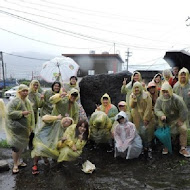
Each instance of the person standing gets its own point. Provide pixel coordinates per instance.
(127, 88)
(20, 122)
(47, 106)
(182, 88)
(142, 115)
(36, 100)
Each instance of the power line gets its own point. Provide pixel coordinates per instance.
(26, 57)
(82, 25)
(46, 42)
(103, 14)
(74, 34)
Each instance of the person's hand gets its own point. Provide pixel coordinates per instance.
(74, 148)
(143, 84)
(80, 137)
(42, 96)
(179, 123)
(163, 118)
(59, 117)
(63, 94)
(98, 107)
(146, 123)
(133, 96)
(63, 139)
(25, 113)
(125, 81)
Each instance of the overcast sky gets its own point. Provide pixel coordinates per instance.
(148, 28)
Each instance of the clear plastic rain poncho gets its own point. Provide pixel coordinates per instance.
(111, 110)
(2, 115)
(183, 90)
(173, 108)
(18, 127)
(100, 127)
(66, 152)
(128, 143)
(35, 99)
(127, 89)
(64, 107)
(141, 110)
(45, 141)
(67, 88)
(47, 106)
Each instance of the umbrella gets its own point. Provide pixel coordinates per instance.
(163, 134)
(59, 68)
(178, 58)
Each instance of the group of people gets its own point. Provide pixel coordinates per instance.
(63, 129)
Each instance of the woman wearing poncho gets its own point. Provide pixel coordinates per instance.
(66, 105)
(182, 88)
(47, 106)
(74, 84)
(127, 88)
(36, 100)
(45, 141)
(74, 139)
(172, 109)
(20, 122)
(106, 106)
(142, 115)
(158, 81)
(128, 143)
(100, 127)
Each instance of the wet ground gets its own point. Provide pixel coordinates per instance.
(162, 172)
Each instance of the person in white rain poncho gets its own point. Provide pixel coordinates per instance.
(128, 143)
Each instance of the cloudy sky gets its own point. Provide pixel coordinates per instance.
(148, 28)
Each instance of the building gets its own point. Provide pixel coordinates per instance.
(92, 63)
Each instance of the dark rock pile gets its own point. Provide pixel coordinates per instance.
(93, 87)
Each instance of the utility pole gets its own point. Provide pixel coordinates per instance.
(3, 69)
(128, 54)
(114, 47)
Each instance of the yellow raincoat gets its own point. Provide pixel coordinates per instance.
(100, 127)
(18, 127)
(64, 107)
(111, 110)
(158, 85)
(183, 90)
(45, 141)
(174, 109)
(141, 110)
(127, 89)
(2, 114)
(66, 152)
(35, 99)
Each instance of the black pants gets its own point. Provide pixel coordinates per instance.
(30, 144)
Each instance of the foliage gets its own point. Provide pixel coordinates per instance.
(4, 144)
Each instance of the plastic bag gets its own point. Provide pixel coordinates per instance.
(88, 167)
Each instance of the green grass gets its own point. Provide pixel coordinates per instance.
(4, 144)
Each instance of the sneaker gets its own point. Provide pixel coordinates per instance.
(184, 152)
(165, 151)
